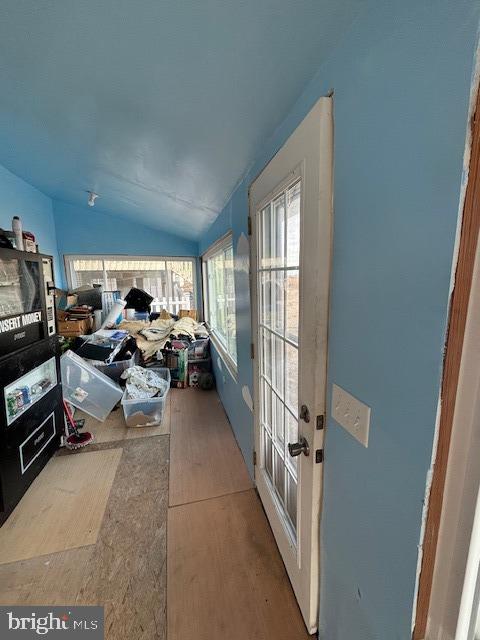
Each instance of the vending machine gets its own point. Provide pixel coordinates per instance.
(31, 414)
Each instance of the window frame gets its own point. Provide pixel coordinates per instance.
(69, 259)
(218, 247)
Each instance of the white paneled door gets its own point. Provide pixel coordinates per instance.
(291, 214)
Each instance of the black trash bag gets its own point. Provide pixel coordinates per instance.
(138, 299)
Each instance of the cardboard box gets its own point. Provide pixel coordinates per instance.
(72, 300)
(73, 328)
(29, 245)
(188, 313)
(177, 361)
(64, 299)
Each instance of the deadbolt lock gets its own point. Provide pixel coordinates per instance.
(304, 413)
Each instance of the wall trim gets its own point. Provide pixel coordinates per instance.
(470, 226)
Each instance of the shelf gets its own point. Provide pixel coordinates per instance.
(47, 371)
(26, 407)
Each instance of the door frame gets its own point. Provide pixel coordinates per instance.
(450, 389)
(320, 245)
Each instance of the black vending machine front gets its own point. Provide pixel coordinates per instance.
(31, 410)
(32, 418)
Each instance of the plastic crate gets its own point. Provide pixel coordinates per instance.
(115, 369)
(147, 412)
(87, 388)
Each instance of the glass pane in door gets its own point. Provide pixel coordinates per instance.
(278, 278)
(292, 288)
(293, 225)
(278, 231)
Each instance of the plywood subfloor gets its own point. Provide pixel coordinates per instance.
(205, 459)
(53, 579)
(115, 429)
(225, 576)
(63, 508)
(125, 570)
(128, 565)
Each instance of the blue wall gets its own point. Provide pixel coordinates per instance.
(234, 218)
(84, 230)
(88, 230)
(18, 198)
(401, 78)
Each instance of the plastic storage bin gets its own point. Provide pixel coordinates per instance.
(86, 388)
(115, 369)
(147, 412)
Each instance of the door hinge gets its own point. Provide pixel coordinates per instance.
(320, 422)
(319, 456)
(252, 351)
(249, 225)
(254, 458)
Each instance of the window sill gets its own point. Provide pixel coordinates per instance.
(230, 365)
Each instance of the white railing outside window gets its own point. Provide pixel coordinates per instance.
(171, 281)
(172, 304)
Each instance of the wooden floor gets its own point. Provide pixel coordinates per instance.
(205, 459)
(225, 576)
(114, 428)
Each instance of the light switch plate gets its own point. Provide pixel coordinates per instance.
(353, 415)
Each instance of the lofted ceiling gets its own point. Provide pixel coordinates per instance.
(158, 106)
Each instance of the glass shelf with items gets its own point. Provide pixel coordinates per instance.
(29, 389)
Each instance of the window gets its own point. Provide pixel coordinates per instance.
(219, 288)
(171, 281)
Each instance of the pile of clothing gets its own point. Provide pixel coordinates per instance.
(151, 337)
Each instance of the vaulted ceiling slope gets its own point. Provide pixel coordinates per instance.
(158, 106)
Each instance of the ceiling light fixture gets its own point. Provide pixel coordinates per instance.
(92, 196)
